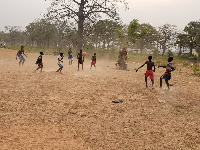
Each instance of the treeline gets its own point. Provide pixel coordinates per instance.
(104, 34)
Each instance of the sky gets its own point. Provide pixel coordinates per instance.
(156, 12)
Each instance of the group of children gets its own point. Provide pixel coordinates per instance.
(150, 72)
(80, 56)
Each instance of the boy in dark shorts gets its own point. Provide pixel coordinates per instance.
(93, 63)
(19, 54)
(80, 58)
(70, 57)
(39, 62)
(149, 72)
(60, 58)
(167, 75)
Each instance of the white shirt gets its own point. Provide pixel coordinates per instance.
(59, 58)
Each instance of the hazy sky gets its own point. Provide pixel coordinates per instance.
(155, 12)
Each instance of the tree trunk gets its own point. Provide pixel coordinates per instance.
(191, 47)
(81, 19)
(180, 51)
(141, 47)
(164, 49)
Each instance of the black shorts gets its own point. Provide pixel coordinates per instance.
(80, 61)
(40, 65)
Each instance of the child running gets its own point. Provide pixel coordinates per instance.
(149, 72)
(39, 62)
(80, 58)
(93, 63)
(19, 54)
(70, 57)
(167, 74)
(60, 58)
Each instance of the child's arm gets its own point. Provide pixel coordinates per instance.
(24, 54)
(172, 68)
(162, 66)
(140, 67)
(154, 68)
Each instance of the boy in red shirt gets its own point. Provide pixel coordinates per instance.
(94, 58)
(149, 72)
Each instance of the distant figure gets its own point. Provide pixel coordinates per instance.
(94, 59)
(80, 58)
(70, 56)
(1, 45)
(167, 74)
(60, 58)
(4, 45)
(149, 72)
(39, 62)
(19, 54)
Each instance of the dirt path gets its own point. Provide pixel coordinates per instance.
(74, 110)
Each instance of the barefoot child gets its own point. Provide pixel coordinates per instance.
(93, 61)
(149, 71)
(19, 54)
(60, 58)
(70, 57)
(167, 74)
(39, 62)
(80, 58)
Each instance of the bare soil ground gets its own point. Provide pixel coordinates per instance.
(74, 110)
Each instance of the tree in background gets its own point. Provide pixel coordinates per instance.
(122, 36)
(132, 30)
(41, 32)
(80, 10)
(146, 35)
(193, 33)
(167, 36)
(63, 29)
(181, 41)
(105, 30)
(14, 33)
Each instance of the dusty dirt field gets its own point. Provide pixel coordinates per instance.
(74, 110)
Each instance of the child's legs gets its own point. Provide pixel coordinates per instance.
(23, 61)
(78, 65)
(152, 82)
(167, 82)
(20, 61)
(161, 81)
(146, 80)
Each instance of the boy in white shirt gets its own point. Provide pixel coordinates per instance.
(60, 58)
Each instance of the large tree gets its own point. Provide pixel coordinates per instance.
(80, 10)
(41, 32)
(146, 35)
(181, 41)
(132, 30)
(193, 33)
(106, 32)
(14, 32)
(167, 36)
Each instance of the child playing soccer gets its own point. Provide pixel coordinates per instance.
(167, 74)
(80, 58)
(70, 57)
(93, 61)
(19, 54)
(149, 71)
(39, 62)
(60, 58)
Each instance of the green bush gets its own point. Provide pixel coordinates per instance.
(196, 69)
